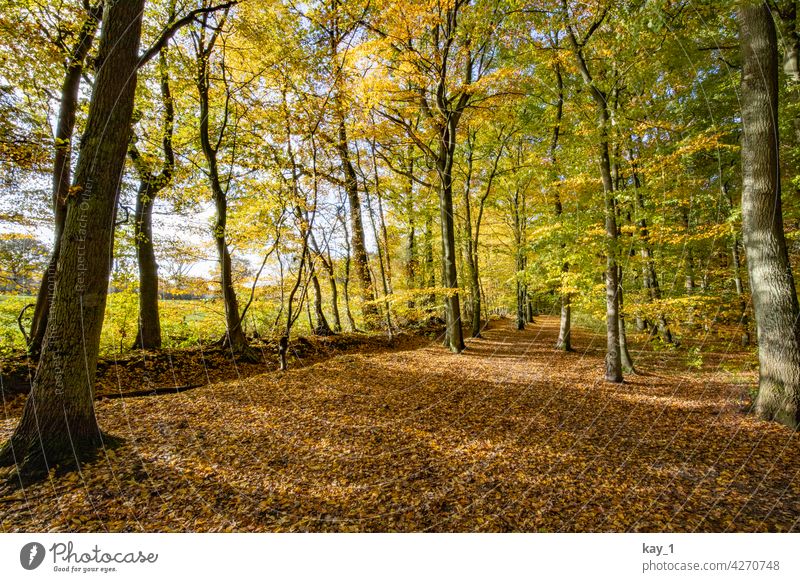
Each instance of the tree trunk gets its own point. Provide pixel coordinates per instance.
(564, 341)
(613, 359)
(470, 251)
(613, 353)
(565, 329)
(521, 319)
(58, 425)
(234, 337)
(337, 320)
(322, 327)
(148, 335)
(359, 250)
(774, 296)
(455, 336)
(625, 355)
(368, 307)
(65, 127)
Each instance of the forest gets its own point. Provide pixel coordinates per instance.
(399, 265)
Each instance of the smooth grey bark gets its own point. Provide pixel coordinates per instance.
(564, 341)
(625, 355)
(772, 285)
(613, 357)
(444, 166)
(469, 251)
(58, 424)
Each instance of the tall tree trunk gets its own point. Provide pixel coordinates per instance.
(368, 307)
(564, 341)
(469, 251)
(625, 355)
(613, 359)
(519, 258)
(613, 354)
(455, 335)
(58, 424)
(774, 296)
(565, 326)
(65, 128)
(235, 337)
(521, 318)
(148, 335)
(359, 250)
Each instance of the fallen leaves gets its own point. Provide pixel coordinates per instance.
(509, 436)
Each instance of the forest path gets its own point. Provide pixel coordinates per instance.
(511, 435)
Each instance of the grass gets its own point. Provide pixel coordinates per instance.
(184, 323)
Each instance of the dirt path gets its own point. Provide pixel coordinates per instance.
(509, 436)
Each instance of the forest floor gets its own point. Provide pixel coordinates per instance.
(509, 436)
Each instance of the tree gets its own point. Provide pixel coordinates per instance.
(62, 169)
(337, 34)
(148, 335)
(204, 48)
(21, 258)
(58, 424)
(613, 354)
(775, 303)
(437, 59)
